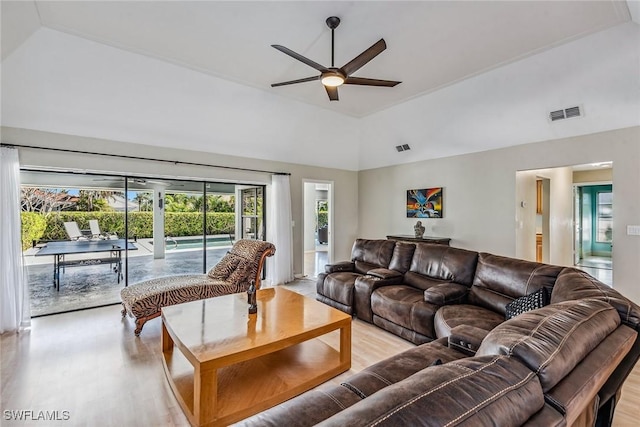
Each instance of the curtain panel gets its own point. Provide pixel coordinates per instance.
(14, 293)
(279, 231)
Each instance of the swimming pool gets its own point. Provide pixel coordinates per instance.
(180, 243)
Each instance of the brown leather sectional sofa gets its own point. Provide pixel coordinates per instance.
(562, 364)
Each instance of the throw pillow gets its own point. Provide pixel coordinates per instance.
(533, 301)
(223, 269)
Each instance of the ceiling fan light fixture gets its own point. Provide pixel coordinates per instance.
(332, 79)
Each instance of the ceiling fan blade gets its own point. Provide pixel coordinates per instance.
(332, 91)
(300, 58)
(291, 82)
(366, 56)
(370, 82)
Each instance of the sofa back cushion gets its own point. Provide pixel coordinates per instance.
(499, 280)
(552, 340)
(575, 284)
(478, 391)
(442, 263)
(370, 254)
(402, 255)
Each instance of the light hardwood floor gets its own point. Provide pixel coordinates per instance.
(90, 364)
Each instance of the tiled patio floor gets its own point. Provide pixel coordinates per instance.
(93, 286)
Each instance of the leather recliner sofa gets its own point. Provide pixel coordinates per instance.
(454, 298)
(542, 368)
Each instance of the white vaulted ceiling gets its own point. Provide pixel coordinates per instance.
(475, 75)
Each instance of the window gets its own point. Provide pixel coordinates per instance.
(604, 217)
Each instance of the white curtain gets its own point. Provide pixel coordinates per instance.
(14, 293)
(279, 231)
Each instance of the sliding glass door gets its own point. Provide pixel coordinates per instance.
(155, 226)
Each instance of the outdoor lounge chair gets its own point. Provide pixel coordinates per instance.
(73, 231)
(234, 273)
(97, 234)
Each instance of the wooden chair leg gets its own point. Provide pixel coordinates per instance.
(139, 324)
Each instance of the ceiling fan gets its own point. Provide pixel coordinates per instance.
(332, 77)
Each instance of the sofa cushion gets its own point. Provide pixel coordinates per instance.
(533, 301)
(446, 293)
(404, 306)
(493, 390)
(444, 263)
(449, 316)
(552, 340)
(305, 410)
(499, 280)
(146, 298)
(573, 284)
(401, 366)
(402, 255)
(225, 267)
(370, 254)
(338, 286)
(402, 332)
(419, 281)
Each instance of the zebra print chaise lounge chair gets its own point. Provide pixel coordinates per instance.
(235, 271)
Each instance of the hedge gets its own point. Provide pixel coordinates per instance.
(176, 224)
(323, 218)
(33, 227)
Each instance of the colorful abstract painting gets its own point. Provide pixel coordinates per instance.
(426, 203)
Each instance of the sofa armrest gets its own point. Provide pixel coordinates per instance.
(384, 273)
(339, 266)
(466, 338)
(446, 293)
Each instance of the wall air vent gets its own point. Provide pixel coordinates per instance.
(567, 113)
(403, 147)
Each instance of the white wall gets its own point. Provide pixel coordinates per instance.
(345, 189)
(480, 196)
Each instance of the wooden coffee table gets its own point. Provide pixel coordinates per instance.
(230, 365)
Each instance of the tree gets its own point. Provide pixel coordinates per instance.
(96, 200)
(45, 201)
(217, 203)
(144, 201)
(179, 202)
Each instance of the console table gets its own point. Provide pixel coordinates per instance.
(425, 239)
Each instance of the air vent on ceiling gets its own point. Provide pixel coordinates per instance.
(403, 147)
(567, 113)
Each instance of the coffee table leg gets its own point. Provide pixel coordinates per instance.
(345, 345)
(167, 342)
(205, 395)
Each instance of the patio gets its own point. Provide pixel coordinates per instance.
(97, 285)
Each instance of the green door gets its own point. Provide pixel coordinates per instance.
(601, 217)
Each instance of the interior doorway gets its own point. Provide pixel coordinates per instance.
(318, 206)
(571, 221)
(593, 226)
